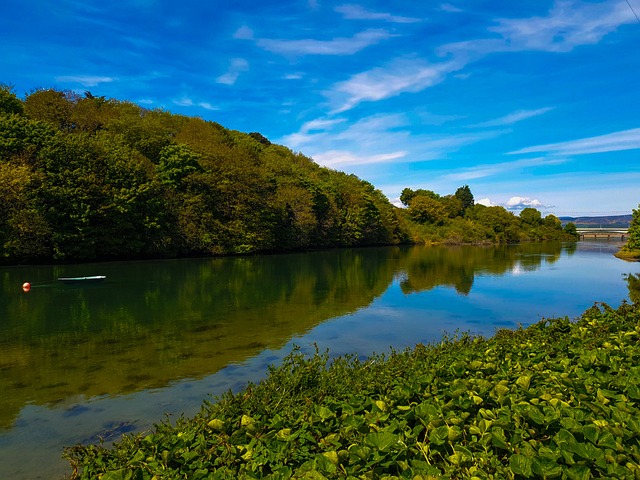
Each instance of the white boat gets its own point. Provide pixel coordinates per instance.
(94, 278)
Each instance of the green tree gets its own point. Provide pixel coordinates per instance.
(9, 102)
(531, 216)
(570, 229)
(176, 162)
(24, 233)
(424, 209)
(452, 205)
(553, 222)
(633, 242)
(407, 195)
(465, 196)
(51, 106)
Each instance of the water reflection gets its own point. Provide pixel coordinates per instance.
(177, 330)
(633, 284)
(154, 322)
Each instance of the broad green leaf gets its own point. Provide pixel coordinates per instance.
(578, 472)
(498, 439)
(535, 415)
(545, 467)
(520, 465)
(590, 432)
(524, 381)
(323, 412)
(439, 435)
(381, 440)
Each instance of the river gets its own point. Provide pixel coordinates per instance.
(83, 362)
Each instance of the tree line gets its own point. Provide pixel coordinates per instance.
(458, 219)
(84, 177)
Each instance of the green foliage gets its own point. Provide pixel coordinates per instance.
(455, 219)
(633, 243)
(424, 209)
(570, 228)
(465, 196)
(176, 162)
(9, 102)
(631, 250)
(531, 216)
(109, 179)
(557, 400)
(407, 195)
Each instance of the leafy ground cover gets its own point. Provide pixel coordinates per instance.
(558, 399)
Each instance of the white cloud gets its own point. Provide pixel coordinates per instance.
(336, 158)
(612, 142)
(514, 117)
(85, 80)
(515, 203)
(238, 65)
(356, 12)
(447, 7)
(568, 25)
(185, 101)
(486, 202)
(336, 46)
(243, 33)
(520, 203)
(403, 75)
(488, 170)
(375, 139)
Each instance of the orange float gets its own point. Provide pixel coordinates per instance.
(26, 286)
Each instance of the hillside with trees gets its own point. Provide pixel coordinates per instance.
(456, 219)
(86, 177)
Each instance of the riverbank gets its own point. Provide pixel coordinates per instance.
(558, 399)
(629, 255)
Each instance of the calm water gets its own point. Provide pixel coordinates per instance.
(79, 363)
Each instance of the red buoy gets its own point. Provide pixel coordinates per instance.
(26, 286)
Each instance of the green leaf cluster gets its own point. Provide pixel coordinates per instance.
(556, 400)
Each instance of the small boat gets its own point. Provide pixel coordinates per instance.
(91, 279)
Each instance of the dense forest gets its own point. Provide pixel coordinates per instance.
(83, 177)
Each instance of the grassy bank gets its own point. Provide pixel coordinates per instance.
(556, 400)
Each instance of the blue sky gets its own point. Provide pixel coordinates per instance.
(530, 103)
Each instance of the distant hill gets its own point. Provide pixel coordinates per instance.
(610, 221)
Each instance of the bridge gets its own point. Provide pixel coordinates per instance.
(608, 233)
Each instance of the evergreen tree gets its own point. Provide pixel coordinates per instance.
(465, 196)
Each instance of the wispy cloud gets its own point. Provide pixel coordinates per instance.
(85, 80)
(188, 102)
(494, 169)
(447, 7)
(243, 33)
(335, 46)
(403, 75)
(612, 142)
(514, 117)
(357, 12)
(340, 158)
(238, 65)
(375, 139)
(569, 24)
